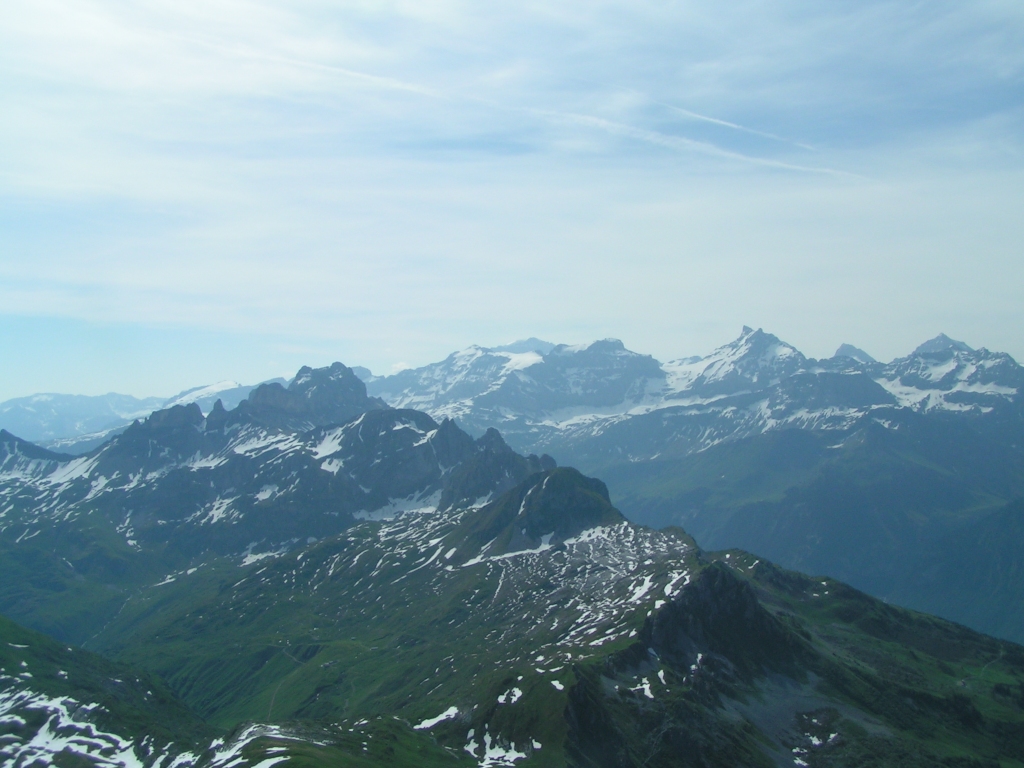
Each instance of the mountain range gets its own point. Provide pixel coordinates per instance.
(343, 569)
(315, 578)
(882, 474)
(599, 403)
(540, 394)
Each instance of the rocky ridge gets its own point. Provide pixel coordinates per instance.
(288, 467)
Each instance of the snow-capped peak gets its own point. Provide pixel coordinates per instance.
(755, 358)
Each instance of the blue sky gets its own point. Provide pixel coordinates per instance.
(194, 191)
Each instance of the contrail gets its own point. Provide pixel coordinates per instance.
(703, 118)
(387, 83)
(734, 126)
(679, 142)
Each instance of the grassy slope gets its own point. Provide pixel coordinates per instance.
(69, 584)
(742, 667)
(133, 702)
(898, 688)
(876, 508)
(975, 561)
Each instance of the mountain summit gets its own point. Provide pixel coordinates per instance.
(315, 397)
(941, 343)
(854, 353)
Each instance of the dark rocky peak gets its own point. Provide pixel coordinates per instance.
(337, 376)
(217, 418)
(541, 512)
(175, 417)
(165, 437)
(315, 397)
(451, 443)
(719, 618)
(491, 469)
(854, 353)
(14, 446)
(940, 344)
(178, 427)
(565, 502)
(491, 440)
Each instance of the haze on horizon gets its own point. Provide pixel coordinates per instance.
(192, 192)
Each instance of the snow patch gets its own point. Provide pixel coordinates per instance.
(510, 697)
(417, 502)
(266, 492)
(430, 722)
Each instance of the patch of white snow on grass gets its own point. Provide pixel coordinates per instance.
(430, 722)
(497, 756)
(510, 697)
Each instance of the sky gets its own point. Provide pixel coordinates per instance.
(199, 191)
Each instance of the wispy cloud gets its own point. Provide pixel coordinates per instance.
(669, 141)
(398, 178)
(363, 78)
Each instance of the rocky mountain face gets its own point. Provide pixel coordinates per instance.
(556, 398)
(313, 398)
(285, 467)
(872, 472)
